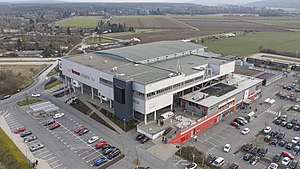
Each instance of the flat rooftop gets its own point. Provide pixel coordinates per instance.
(265, 76)
(239, 82)
(125, 68)
(219, 89)
(243, 70)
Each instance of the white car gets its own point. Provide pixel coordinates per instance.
(267, 130)
(58, 115)
(36, 147)
(227, 148)
(243, 119)
(273, 166)
(191, 166)
(35, 95)
(296, 107)
(285, 161)
(245, 131)
(295, 140)
(93, 139)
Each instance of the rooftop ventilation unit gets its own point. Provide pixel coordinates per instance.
(105, 61)
(136, 65)
(171, 74)
(199, 68)
(114, 69)
(91, 57)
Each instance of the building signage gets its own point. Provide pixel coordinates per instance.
(82, 75)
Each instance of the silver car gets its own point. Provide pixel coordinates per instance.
(36, 147)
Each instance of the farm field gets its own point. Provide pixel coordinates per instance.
(80, 21)
(249, 44)
(95, 40)
(150, 22)
(284, 22)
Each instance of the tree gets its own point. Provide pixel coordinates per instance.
(31, 21)
(68, 31)
(36, 44)
(19, 44)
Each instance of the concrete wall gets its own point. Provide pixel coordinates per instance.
(88, 76)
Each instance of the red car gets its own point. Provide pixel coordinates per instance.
(54, 126)
(233, 123)
(19, 130)
(287, 154)
(101, 144)
(81, 127)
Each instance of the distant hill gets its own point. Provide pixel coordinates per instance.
(276, 3)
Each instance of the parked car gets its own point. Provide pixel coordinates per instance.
(289, 125)
(276, 158)
(267, 130)
(48, 122)
(109, 150)
(277, 121)
(243, 119)
(247, 156)
(295, 107)
(284, 117)
(81, 127)
(191, 166)
(293, 164)
(282, 143)
(245, 131)
(263, 151)
(283, 123)
(273, 166)
(281, 135)
(29, 139)
(93, 139)
(295, 140)
(20, 130)
(247, 147)
(289, 146)
(254, 151)
(267, 138)
(139, 137)
(54, 126)
(5, 97)
(144, 140)
(100, 144)
(227, 148)
(25, 133)
(254, 160)
(285, 161)
(239, 121)
(113, 154)
(287, 154)
(273, 142)
(235, 124)
(100, 161)
(84, 131)
(211, 158)
(219, 162)
(58, 115)
(36, 147)
(234, 166)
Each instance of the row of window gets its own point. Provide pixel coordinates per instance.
(106, 82)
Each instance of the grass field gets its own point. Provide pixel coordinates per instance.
(150, 22)
(92, 41)
(28, 102)
(136, 32)
(11, 156)
(23, 72)
(249, 44)
(80, 21)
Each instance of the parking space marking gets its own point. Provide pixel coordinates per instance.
(43, 153)
(53, 162)
(215, 140)
(57, 166)
(51, 158)
(217, 135)
(47, 155)
(6, 115)
(84, 152)
(95, 152)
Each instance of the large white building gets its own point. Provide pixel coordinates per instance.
(144, 80)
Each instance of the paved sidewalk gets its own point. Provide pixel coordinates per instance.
(20, 144)
(107, 120)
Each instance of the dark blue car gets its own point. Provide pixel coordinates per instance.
(100, 161)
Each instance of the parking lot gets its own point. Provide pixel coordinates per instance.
(43, 153)
(212, 141)
(78, 144)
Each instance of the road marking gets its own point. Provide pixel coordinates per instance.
(51, 159)
(47, 155)
(53, 162)
(215, 140)
(220, 136)
(95, 152)
(43, 153)
(57, 166)
(84, 152)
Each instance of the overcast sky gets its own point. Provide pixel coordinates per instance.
(193, 1)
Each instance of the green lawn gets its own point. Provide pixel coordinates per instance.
(10, 155)
(82, 21)
(91, 41)
(28, 102)
(249, 44)
(50, 85)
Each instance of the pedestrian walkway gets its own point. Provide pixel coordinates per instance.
(274, 112)
(106, 119)
(42, 164)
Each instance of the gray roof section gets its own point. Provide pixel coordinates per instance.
(151, 50)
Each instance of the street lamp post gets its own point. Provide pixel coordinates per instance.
(124, 124)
